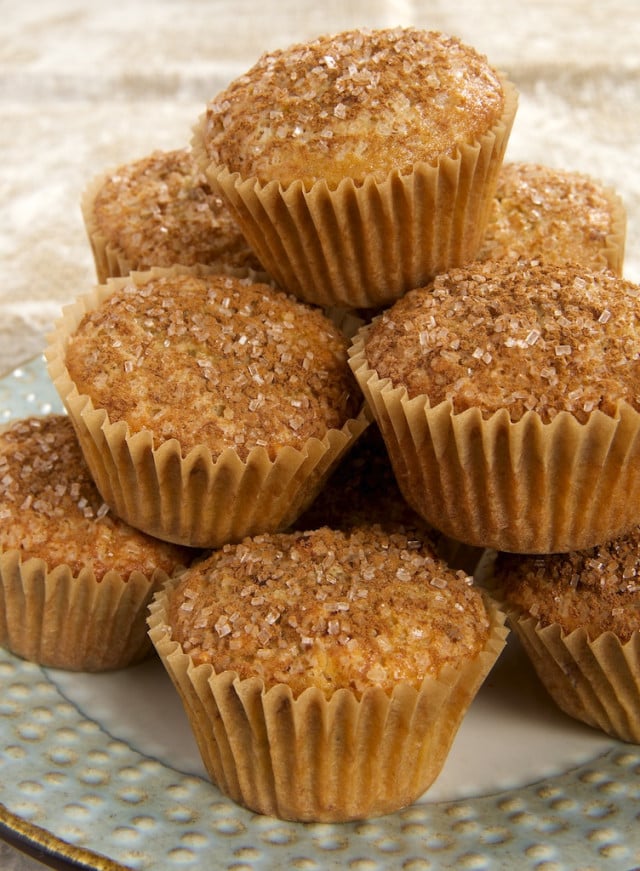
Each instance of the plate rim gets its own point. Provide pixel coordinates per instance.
(32, 839)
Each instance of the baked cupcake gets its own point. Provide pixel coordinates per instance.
(363, 491)
(209, 407)
(75, 581)
(324, 673)
(557, 215)
(578, 618)
(160, 211)
(507, 397)
(359, 165)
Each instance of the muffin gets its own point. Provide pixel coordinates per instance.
(160, 211)
(507, 397)
(75, 581)
(557, 215)
(363, 491)
(208, 407)
(360, 164)
(325, 673)
(578, 618)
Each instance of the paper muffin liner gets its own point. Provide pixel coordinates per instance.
(364, 245)
(613, 248)
(596, 681)
(193, 499)
(316, 759)
(55, 618)
(108, 259)
(524, 487)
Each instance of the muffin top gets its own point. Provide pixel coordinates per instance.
(358, 103)
(521, 335)
(598, 589)
(328, 609)
(160, 210)
(557, 215)
(214, 360)
(50, 508)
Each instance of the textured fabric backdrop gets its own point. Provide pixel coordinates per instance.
(87, 86)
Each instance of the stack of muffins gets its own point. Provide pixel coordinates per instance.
(338, 349)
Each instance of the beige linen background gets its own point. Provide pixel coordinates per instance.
(84, 87)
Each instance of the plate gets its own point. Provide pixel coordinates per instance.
(103, 771)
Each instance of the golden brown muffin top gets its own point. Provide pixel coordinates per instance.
(352, 104)
(328, 609)
(598, 589)
(160, 210)
(522, 336)
(213, 360)
(50, 508)
(554, 214)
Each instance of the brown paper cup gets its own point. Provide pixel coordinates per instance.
(316, 759)
(597, 682)
(614, 245)
(108, 259)
(525, 487)
(364, 245)
(56, 619)
(196, 500)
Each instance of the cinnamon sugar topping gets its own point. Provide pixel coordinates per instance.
(328, 609)
(598, 588)
(557, 215)
(50, 508)
(527, 337)
(213, 360)
(160, 210)
(352, 104)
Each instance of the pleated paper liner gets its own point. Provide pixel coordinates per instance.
(108, 259)
(55, 618)
(524, 487)
(364, 245)
(595, 681)
(615, 242)
(316, 759)
(197, 500)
